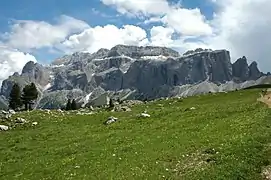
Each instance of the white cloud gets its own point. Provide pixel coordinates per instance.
(244, 27)
(161, 36)
(188, 22)
(185, 21)
(27, 34)
(108, 36)
(139, 7)
(12, 60)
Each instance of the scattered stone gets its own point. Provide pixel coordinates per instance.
(7, 116)
(121, 108)
(84, 113)
(59, 110)
(34, 123)
(11, 111)
(126, 108)
(110, 120)
(4, 112)
(131, 103)
(20, 120)
(91, 108)
(145, 115)
(3, 128)
(48, 111)
(187, 109)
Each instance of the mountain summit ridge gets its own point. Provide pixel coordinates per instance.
(142, 72)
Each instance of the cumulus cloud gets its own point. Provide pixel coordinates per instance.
(108, 36)
(161, 36)
(26, 34)
(188, 22)
(185, 21)
(139, 7)
(243, 27)
(12, 60)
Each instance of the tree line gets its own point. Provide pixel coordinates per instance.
(71, 105)
(26, 97)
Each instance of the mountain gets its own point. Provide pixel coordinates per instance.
(132, 72)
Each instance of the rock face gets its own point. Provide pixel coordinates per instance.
(131, 72)
(242, 71)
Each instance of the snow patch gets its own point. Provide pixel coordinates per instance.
(86, 99)
(57, 66)
(107, 58)
(46, 87)
(160, 57)
(88, 96)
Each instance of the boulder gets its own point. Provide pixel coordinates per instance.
(3, 128)
(34, 123)
(102, 100)
(11, 111)
(119, 108)
(20, 120)
(110, 120)
(144, 115)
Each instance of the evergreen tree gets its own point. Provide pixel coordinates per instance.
(73, 105)
(30, 94)
(15, 97)
(68, 105)
(111, 103)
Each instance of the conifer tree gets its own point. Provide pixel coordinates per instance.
(68, 105)
(30, 94)
(73, 105)
(15, 97)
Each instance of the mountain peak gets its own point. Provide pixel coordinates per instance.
(145, 71)
(139, 51)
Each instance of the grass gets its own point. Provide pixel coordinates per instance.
(227, 136)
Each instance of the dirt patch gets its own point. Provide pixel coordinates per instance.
(197, 161)
(266, 98)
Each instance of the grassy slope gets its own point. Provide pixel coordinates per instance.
(172, 144)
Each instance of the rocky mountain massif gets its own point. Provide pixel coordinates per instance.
(131, 72)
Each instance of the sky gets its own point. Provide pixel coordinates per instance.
(42, 31)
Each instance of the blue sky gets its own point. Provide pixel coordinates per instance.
(81, 9)
(45, 30)
(93, 12)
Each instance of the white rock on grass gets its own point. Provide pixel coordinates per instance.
(192, 108)
(34, 123)
(145, 115)
(7, 116)
(110, 120)
(11, 111)
(20, 120)
(3, 128)
(4, 112)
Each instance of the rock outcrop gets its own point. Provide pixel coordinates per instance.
(242, 71)
(131, 72)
